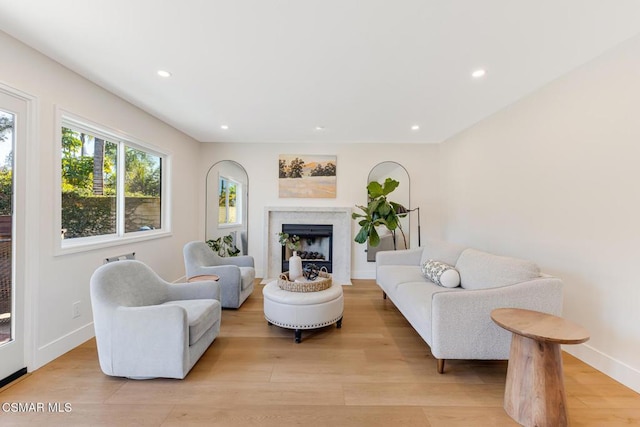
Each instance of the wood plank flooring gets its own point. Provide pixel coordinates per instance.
(375, 371)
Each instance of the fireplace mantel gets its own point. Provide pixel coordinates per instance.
(339, 217)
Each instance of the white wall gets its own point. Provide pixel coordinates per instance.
(59, 281)
(555, 178)
(354, 161)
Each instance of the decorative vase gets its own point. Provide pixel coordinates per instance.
(295, 266)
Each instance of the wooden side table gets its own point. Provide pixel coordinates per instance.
(202, 277)
(534, 394)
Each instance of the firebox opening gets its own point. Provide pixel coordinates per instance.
(316, 245)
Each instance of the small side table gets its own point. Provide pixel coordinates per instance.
(202, 277)
(534, 394)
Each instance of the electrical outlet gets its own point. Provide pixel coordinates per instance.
(76, 309)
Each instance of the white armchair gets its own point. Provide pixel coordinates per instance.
(237, 274)
(146, 327)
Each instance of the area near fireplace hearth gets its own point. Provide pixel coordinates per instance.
(339, 252)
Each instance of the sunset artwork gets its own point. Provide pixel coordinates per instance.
(307, 176)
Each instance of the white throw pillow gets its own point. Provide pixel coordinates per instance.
(441, 274)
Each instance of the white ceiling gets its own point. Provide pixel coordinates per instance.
(365, 70)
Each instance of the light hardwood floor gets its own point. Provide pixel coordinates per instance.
(375, 371)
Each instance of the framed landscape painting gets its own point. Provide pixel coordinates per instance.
(307, 176)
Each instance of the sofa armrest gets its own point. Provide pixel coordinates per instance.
(143, 339)
(400, 257)
(461, 321)
(205, 289)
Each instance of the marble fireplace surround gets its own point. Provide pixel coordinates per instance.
(339, 217)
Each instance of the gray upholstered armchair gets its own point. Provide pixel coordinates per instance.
(146, 327)
(236, 273)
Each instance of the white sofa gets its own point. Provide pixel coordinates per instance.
(455, 322)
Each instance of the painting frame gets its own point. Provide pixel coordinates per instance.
(308, 176)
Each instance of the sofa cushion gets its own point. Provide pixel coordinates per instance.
(201, 316)
(415, 302)
(442, 251)
(441, 274)
(390, 276)
(481, 270)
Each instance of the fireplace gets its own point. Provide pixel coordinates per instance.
(338, 217)
(316, 245)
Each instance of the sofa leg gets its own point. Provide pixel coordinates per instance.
(440, 366)
(384, 295)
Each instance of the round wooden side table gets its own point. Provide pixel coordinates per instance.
(202, 277)
(534, 393)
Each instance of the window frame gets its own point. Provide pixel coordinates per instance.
(239, 207)
(122, 140)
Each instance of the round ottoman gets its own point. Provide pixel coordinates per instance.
(303, 310)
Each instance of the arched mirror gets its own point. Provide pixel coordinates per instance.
(380, 173)
(227, 204)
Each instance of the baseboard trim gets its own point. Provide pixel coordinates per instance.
(11, 378)
(60, 346)
(616, 369)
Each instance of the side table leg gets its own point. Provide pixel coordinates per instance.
(534, 393)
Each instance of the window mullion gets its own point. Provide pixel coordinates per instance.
(120, 192)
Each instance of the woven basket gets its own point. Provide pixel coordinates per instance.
(322, 282)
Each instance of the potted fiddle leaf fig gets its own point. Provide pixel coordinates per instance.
(380, 211)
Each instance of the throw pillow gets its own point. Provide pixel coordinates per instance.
(441, 274)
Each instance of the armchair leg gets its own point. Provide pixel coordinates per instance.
(440, 366)
(384, 295)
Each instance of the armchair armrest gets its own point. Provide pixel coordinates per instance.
(240, 261)
(400, 257)
(225, 272)
(206, 289)
(461, 320)
(144, 338)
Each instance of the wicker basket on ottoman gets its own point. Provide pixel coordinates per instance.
(303, 310)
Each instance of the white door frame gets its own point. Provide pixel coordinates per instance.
(26, 223)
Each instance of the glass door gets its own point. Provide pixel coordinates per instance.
(12, 132)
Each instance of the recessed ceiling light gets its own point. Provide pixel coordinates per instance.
(163, 73)
(415, 127)
(319, 128)
(479, 73)
(224, 127)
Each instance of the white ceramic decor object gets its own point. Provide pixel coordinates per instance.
(295, 266)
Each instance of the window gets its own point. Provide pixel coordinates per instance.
(142, 202)
(230, 209)
(111, 187)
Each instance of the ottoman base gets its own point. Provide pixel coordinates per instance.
(303, 310)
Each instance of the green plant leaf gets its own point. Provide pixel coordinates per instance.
(392, 222)
(389, 186)
(384, 208)
(374, 238)
(363, 234)
(374, 189)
